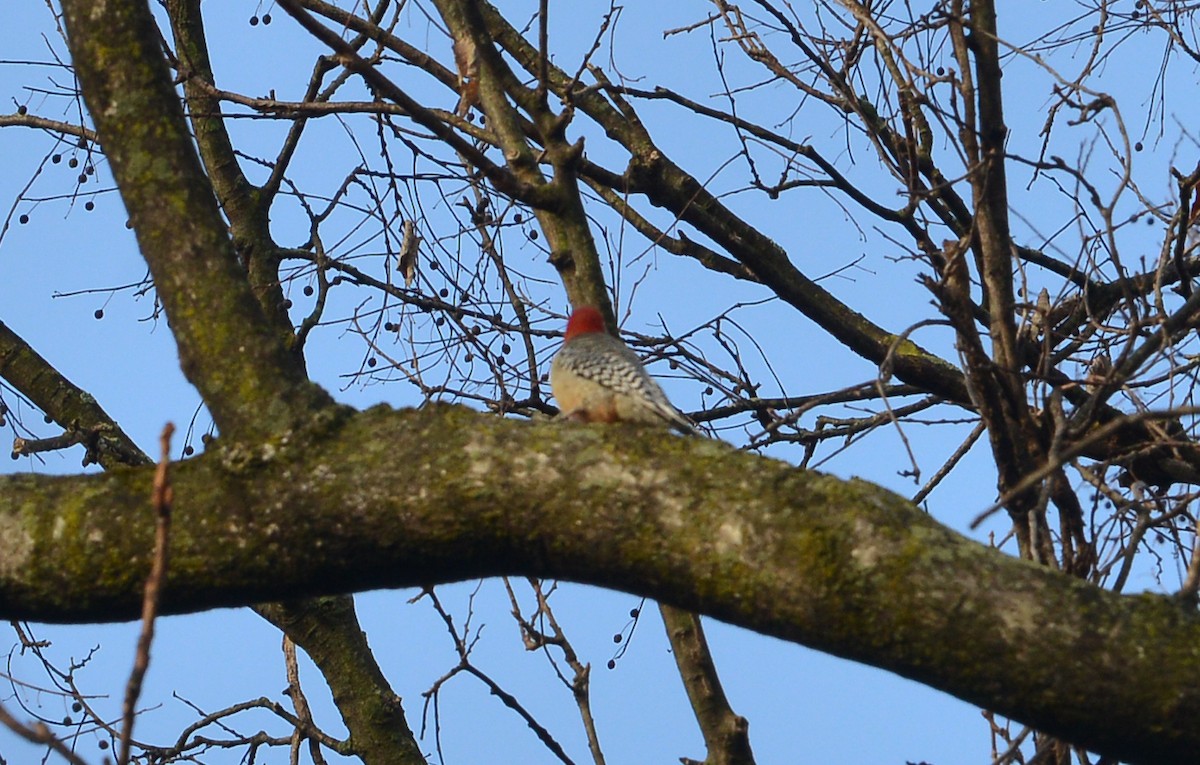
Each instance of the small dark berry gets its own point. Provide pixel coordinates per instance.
(633, 613)
(434, 265)
(206, 439)
(673, 364)
(56, 158)
(443, 292)
(189, 450)
(335, 281)
(89, 168)
(469, 357)
(439, 321)
(389, 327)
(15, 456)
(47, 419)
(83, 177)
(98, 313)
(23, 219)
(1137, 146)
(533, 235)
(67, 720)
(73, 162)
(254, 21)
(103, 744)
(287, 304)
(612, 664)
(506, 348)
(89, 205)
(308, 291)
(129, 224)
(22, 109)
(476, 330)
(708, 391)
(77, 707)
(518, 218)
(617, 638)
(266, 18)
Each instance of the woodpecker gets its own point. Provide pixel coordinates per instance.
(596, 378)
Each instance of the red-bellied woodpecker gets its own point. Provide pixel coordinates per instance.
(596, 378)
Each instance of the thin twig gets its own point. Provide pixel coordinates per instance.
(39, 734)
(1074, 450)
(304, 724)
(162, 498)
(1192, 584)
(945, 469)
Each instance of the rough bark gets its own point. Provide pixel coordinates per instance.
(304, 499)
(393, 499)
(328, 631)
(258, 389)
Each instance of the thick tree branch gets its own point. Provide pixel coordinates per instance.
(328, 630)
(1001, 390)
(249, 381)
(565, 223)
(69, 406)
(861, 335)
(726, 733)
(244, 204)
(405, 498)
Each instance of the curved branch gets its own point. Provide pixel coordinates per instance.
(841, 566)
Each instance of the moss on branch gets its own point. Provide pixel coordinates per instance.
(392, 499)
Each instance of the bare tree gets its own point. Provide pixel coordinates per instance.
(498, 165)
